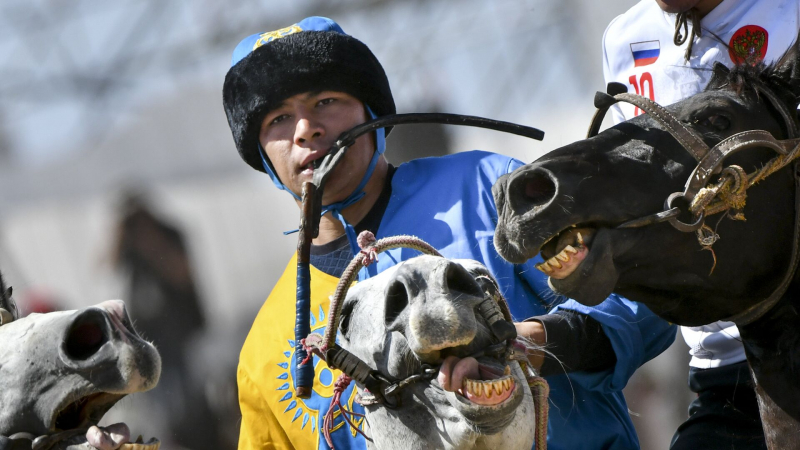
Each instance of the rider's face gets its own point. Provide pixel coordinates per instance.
(303, 128)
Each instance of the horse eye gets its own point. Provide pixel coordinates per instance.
(344, 319)
(715, 121)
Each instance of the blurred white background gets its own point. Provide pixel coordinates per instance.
(98, 98)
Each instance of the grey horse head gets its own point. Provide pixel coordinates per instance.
(424, 311)
(61, 372)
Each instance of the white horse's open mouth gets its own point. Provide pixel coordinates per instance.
(79, 420)
(481, 382)
(491, 389)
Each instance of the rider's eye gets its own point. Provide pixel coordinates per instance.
(279, 119)
(715, 121)
(326, 101)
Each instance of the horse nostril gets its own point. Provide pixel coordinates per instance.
(396, 301)
(457, 279)
(86, 335)
(531, 189)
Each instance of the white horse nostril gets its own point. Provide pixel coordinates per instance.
(86, 335)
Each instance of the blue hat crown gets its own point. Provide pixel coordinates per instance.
(252, 42)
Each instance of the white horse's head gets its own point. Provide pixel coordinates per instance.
(427, 310)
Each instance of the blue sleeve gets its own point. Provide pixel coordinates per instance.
(636, 334)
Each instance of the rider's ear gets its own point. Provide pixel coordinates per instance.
(719, 76)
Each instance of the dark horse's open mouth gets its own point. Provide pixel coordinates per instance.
(578, 260)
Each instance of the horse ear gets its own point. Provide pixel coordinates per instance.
(719, 76)
(787, 68)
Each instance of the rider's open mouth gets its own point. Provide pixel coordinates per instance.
(564, 252)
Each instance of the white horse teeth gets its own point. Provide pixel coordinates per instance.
(569, 249)
(580, 238)
(563, 256)
(554, 263)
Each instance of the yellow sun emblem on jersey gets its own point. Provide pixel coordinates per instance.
(324, 378)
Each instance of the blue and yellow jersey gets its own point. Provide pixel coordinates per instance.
(272, 416)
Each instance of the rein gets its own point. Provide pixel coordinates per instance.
(312, 208)
(700, 198)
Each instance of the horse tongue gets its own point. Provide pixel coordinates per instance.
(108, 438)
(454, 370)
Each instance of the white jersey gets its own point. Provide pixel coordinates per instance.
(638, 51)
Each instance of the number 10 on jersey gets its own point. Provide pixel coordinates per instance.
(645, 79)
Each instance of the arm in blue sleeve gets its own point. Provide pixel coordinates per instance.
(636, 334)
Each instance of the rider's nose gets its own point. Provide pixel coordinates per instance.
(307, 129)
(531, 189)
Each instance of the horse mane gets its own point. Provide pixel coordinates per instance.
(5, 297)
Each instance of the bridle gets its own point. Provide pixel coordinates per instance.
(385, 390)
(692, 200)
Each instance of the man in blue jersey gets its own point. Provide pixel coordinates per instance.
(288, 95)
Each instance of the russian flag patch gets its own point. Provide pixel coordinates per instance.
(645, 53)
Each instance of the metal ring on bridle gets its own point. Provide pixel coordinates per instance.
(675, 222)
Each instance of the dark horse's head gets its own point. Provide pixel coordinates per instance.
(569, 203)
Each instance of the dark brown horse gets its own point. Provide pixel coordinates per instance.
(590, 209)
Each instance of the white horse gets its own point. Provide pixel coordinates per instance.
(421, 324)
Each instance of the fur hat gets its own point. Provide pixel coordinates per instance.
(314, 54)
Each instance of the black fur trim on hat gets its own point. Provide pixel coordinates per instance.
(301, 62)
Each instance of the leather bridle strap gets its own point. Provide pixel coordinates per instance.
(789, 117)
(617, 93)
(710, 164)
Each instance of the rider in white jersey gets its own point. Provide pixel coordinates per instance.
(641, 50)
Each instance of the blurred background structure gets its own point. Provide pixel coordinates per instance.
(100, 99)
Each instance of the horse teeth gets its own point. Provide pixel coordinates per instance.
(569, 249)
(554, 262)
(544, 267)
(507, 370)
(580, 238)
(487, 389)
(563, 256)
